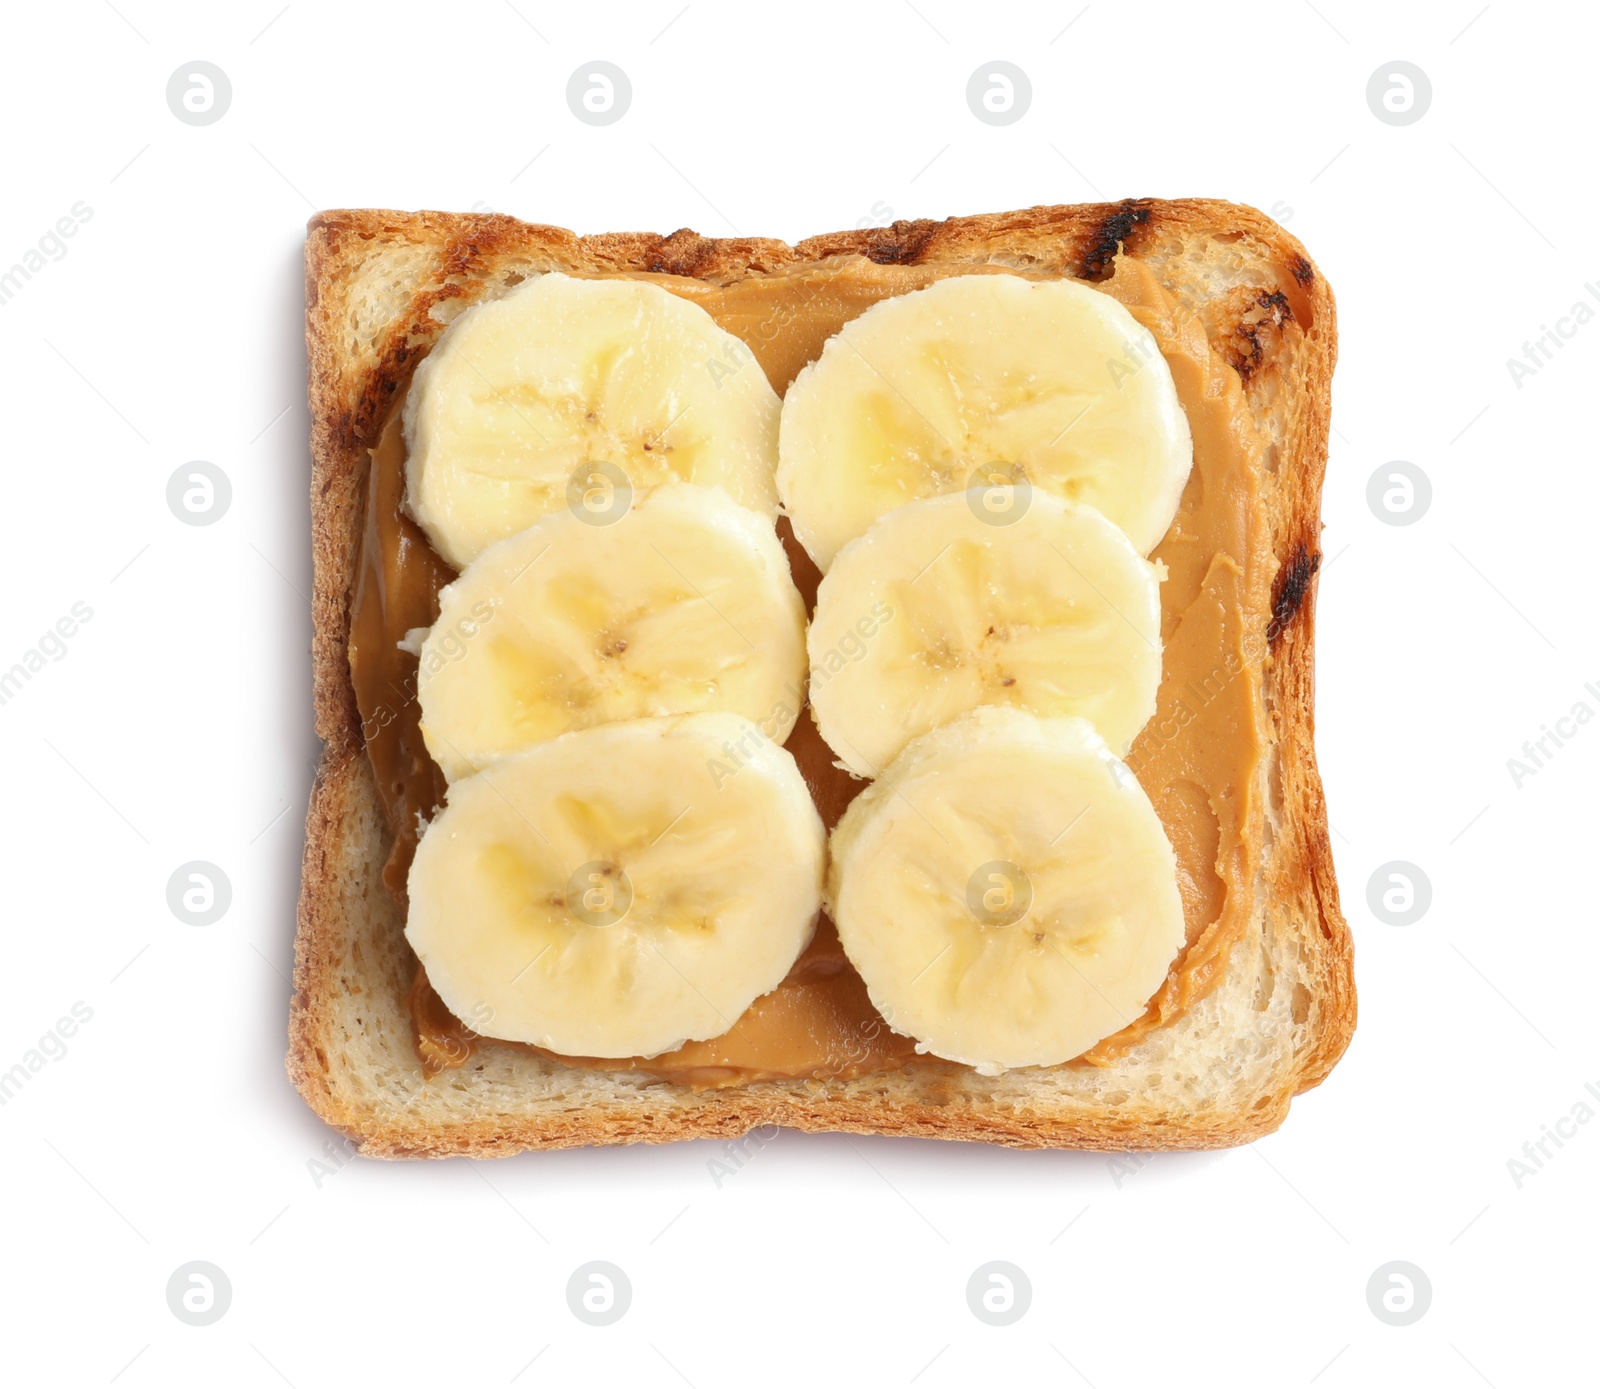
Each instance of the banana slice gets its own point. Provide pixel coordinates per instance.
(995, 596)
(683, 605)
(620, 890)
(986, 376)
(580, 393)
(1006, 891)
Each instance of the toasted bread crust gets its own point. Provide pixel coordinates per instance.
(380, 287)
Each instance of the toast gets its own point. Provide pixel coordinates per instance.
(380, 287)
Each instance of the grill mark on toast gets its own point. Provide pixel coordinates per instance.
(468, 253)
(900, 243)
(1246, 352)
(1293, 584)
(1114, 232)
(685, 252)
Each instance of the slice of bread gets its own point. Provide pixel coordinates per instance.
(380, 287)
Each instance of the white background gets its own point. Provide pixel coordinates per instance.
(177, 724)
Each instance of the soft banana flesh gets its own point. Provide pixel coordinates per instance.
(1006, 891)
(1005, 888)
(941, 607)
(991, 379)
(620, 890)
(684, 604)
(569, 392)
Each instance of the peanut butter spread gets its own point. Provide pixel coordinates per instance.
(1197, 758)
